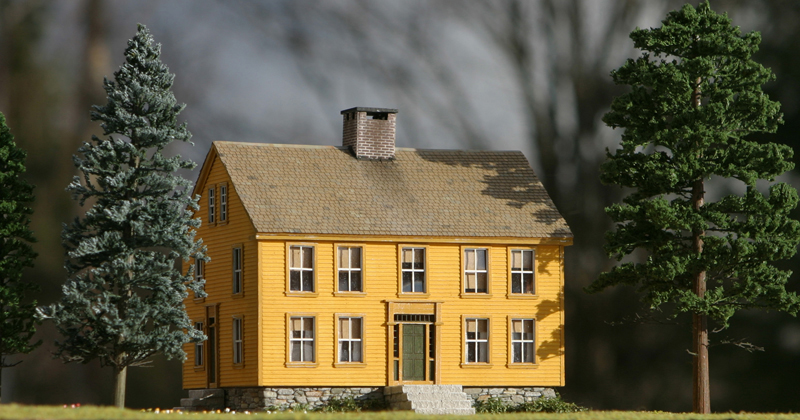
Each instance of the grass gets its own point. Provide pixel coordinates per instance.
(34, 412)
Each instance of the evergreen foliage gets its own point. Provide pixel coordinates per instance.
(17, 316)
(123, 301)
(695, 99)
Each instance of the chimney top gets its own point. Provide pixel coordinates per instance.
(369, 132)
(369, 110)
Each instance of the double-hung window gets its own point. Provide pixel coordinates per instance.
(301, 340)
(198, 346)
(522, 278)
(301, 268)
(350, 274)
(212, 206)
(238, 341)
(476, 274)
(350, 347)
(413, 270)
(476, 340)
(223, 203)
(237, 270)
(522, 340)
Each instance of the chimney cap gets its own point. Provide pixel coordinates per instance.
(367, 109)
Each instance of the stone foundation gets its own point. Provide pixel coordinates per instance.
(288, 398)
(511, 396)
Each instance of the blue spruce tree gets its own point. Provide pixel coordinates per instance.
(123, 301)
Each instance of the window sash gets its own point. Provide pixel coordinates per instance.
(523, 339)
(301, 339)
(212, 206)
(350, 262)
(301, 268)
(476, 340)
(413, 270)
(223, 203)
(476, 273)
(198, 347)
(199, 268)
(237, 340)
(522, 272)
(237, 270)
(350, 339)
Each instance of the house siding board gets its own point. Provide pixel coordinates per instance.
(220, 239)
(381, 283)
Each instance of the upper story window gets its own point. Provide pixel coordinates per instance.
(476, 273)
(199, 269)
(413, 270)
(476, 340)
(238, 273)
(522, 341)
(522, 273)
(350, 274)
(223, 203)
(301, 268)
(212, 205)
(301, 340)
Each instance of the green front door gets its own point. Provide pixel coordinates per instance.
(413, 352)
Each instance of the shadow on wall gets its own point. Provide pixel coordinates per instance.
(510, 179)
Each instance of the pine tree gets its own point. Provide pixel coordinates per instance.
(695, 99)
(17, 317)
(123, 301)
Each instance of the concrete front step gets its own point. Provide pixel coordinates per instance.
(461, 411)
(429, 399)
(421, 389)
(442, 396)
(416, 405)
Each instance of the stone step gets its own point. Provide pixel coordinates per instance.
(457, 411)
(443, 396)
(417, 405)
(205, 393)
(421, 389)
(207, 402)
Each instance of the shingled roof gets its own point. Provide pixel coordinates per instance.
(450, 193)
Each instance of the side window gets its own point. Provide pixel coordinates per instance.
(237, 270)
(350, 347)
(223, 203)
(522, 273)
(476, 273)
(198, 347)
(476, 340)
(413, 270)
(301, 340)
(238, 341)
(212, 206)
(350, 274)
(522, 340)
(301, 268)
(199, 270)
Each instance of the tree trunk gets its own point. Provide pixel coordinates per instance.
(120, 377)
(701, 401)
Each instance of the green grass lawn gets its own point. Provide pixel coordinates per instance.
(35, 412)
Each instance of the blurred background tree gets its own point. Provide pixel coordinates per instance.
(503, 74)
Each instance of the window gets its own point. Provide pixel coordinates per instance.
(198, 347)
(199, 269)
(522, 341)
(413, 270)
(475, 271)
(301, 340)
(350, 269)
(237, 270)
(350, 340)
(522, 281)
(212, 206)
(238, 343)
(301, 268)
(223, 203)
(477, 340)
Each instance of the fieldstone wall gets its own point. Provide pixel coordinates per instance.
(511, 396)
(286, 398)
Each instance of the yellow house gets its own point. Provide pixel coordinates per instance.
(343, 271)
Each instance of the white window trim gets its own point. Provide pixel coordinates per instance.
(291, 339)
(303, 270)
(350, 270)
(476, 271)
(412, 270)
(522, 271)
(522, 341)
(467, 341)
(349, 340)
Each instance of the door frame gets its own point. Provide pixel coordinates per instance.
(394, 356)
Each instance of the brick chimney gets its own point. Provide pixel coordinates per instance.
(369, 132)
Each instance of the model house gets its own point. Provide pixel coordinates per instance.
(348, 269)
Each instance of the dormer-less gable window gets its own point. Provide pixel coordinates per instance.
(212, 206)
(223, 202)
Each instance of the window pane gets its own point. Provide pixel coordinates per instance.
(355, 257)
(529, 329)
(308, 327)
(471, 356)
(516, 283)
(343, 257)
(356, 327)
(528, 280)
(355, 281)
(408, 256)
(308, 257)
(343, 281)
(472, 325)
(528, 352)
(470, 277)
(356, 354)
(516, 325)
(294, 260)
(406, 282)
(481, 263)
(482, 283)
(419, 282)
(469, 255)
(527, 260)
(483, 352)
(308, 351)
(517, 353)
(483, 329)
(308, 281)
(296, 351)
(516, 260)
(344, 351)
(419, 259)
(294, 280)
(344, 327)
